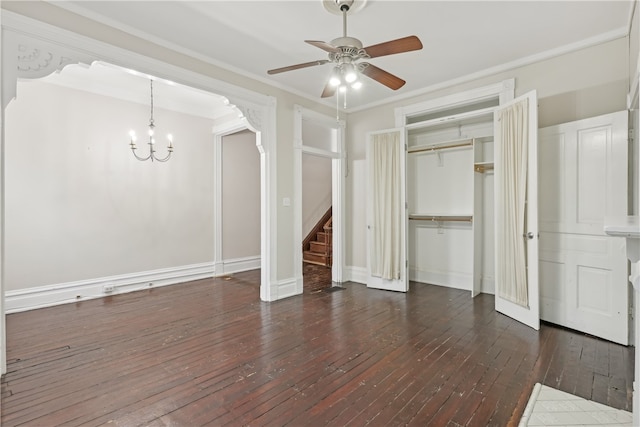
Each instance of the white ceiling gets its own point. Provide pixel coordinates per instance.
(460, 38)
(129, 85)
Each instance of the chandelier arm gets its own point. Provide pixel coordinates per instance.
(142, 159)
(164, 159)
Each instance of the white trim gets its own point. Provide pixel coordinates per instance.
(82, 290)
(502, 68)
(633, 90)
(443, 278)
(572, 47)
(217, 201)
(286, 288)
(504, 90)
(268, 203)
(236, 265)
(3, 326)
(528, 410)
(355, 274)
(228, 128)
(89, 50)
(319, 152)
(488, 285)
(188, 52)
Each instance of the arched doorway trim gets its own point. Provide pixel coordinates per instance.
(33, 49)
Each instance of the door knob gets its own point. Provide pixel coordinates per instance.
(529, 235)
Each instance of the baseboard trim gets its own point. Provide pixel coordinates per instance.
(448, 279)
(488, 285)
(82, 290)
(451, 280)
(236, 265)
(355, 274)
(287, 288)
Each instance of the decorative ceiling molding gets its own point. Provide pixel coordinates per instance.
(38, 61)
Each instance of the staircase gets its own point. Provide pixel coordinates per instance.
(317, 246)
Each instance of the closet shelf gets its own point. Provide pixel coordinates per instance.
(441, 218)
(482, 167)
(467, 117)
(468, 142)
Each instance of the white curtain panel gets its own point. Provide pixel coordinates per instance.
(511, 186)
(386, 238)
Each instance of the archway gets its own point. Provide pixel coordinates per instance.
(26, 54)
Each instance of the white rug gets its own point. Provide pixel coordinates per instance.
(550, 407)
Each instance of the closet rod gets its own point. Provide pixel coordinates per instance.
(483, 167)
(442, 218)
(452, 144)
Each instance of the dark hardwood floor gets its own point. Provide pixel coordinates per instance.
(210, 352)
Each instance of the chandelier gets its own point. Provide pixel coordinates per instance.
(152, 141)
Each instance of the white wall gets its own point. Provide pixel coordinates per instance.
(581, 84)
(79, 206)
(241, 196)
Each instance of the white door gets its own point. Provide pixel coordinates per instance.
(583, 272)
(528, 314)
(387, 212)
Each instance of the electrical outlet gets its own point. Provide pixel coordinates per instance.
(107, 289)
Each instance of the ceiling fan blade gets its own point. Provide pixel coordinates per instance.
(298, 66)
(323, 45)
(405, 44)
(381, 76)
(328, 91)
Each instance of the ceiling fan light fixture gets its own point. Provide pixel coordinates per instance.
(356, 85)
(350, 74)
(336, 77)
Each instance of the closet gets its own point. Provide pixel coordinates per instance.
(450, 196)
(463, 168)
(450, 187)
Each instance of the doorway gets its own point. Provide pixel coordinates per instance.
(236, 201)
(317, 219)
(319, 145)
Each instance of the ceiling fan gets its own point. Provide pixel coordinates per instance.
(347, 54)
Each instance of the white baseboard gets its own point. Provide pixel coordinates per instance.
(236, 265)
(355, 274)
(448, 279)
(82, 290)
(287, 288)
(488, 285)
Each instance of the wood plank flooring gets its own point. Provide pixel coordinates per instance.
(210, 352)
